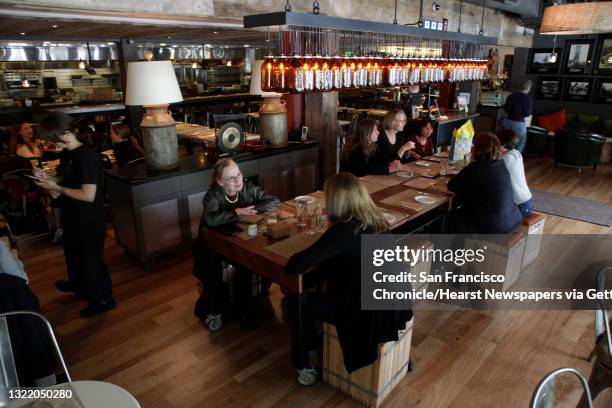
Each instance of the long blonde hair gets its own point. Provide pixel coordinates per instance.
(387, 123)
(347, 199)
(220, 165)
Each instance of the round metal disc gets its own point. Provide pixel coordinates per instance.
(229, 137)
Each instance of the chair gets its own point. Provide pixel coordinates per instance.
(577, 149)
(8, 375)
(134, 162)
(25, 209)
(537, 140)
(601, 375)
(544, 395)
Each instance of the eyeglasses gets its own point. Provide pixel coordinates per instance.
(234, 179)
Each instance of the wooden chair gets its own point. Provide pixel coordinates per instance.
(371, 384)
(544, 395)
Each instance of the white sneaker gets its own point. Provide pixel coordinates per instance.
(307, 376)
(59, 234)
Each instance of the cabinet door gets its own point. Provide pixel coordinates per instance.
(194, 211)
(305, 179)
(276, 182)
(161, 225)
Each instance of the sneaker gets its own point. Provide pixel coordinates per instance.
(96, 308)
(214, 322)
(64, 286)
(57, 238)
(307, 376)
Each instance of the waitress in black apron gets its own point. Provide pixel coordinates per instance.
(81, 198)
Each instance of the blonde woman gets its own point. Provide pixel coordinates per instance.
(335, 258)
(393, 145)
(228, 197)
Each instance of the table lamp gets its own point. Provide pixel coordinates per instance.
(272, 114)
(153, 85)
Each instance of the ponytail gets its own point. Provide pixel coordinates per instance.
(56, 124)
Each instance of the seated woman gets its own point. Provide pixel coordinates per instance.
(359, 154)
(485, 189)
(32, 349)
(125, 145)
(335, 257)
(392, 145)
(28, 146)
(423, 145)
(227, 198)
(513, 159)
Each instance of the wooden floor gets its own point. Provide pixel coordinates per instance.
(154, 347)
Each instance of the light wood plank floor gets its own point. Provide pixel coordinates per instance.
(154, 347)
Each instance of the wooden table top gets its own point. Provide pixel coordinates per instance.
(253, 253)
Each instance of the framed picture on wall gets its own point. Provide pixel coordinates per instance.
(541, 61)
(579, 56)
(577, 89)
(603, 64)
(603, 94)
(548, 88)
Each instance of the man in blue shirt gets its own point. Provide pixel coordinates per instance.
(518, 106)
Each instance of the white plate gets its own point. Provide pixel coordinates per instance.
(405, 174)
(306, 199)
(423, 164)
(390, 218)
(425, 199)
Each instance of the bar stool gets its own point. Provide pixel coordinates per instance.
(544, 396)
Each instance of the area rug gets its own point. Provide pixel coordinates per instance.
(576, 208)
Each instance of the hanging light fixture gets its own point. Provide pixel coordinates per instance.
(577, 18)
(552, 58)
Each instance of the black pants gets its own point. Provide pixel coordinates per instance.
(215, 294)
(84, 252)
(304, 310)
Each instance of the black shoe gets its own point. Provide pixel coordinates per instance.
(96, 308)
(64, 286)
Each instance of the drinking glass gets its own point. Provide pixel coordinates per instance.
(301, 209)
(443, 164)
(312, 218)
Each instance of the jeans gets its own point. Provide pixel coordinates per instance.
(520, 128)
(526, 208)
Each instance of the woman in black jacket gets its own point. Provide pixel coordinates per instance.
(485, 189)
(228, 197)
(335, 257)
(359, 154)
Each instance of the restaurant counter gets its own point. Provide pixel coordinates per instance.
(154, 212)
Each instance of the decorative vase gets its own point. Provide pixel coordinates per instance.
(273, 120)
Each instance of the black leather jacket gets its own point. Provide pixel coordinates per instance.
(218, 211)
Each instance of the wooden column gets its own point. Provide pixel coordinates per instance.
(320, 112)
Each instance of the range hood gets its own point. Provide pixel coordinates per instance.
(522, 8)
(21, 52)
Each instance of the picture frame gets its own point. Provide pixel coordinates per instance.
(304, 135)
(603, 60)
(427, 24)
(578, 89)
(603, 92)
(549, 88)
(538, 63)
(578, 57)
(439, 26)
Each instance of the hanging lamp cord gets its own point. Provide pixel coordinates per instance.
(481, 32)
(316, 8)
(420, 20)
(288, 6)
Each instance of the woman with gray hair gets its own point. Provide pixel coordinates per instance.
(518, 107)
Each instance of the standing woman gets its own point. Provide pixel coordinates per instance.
(359, 154)
(81, 193)
(392, 145)
(423, 145)
(518, 107)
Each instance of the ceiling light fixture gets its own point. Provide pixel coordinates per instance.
(54, 26)
(22, 33)
(577, 18)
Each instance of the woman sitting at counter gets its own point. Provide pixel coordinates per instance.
(228, 197)
(485, 189)
(359, 154)
(335, 257)
(392, 145)
(125, 145)
(509, 140)
(423, 145)
(27, 144)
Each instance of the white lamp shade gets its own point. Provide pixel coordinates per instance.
(255, 88)
(577, 18)
(151, 83)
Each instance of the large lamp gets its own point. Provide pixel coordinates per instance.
(153, 85)
(272, 114)
(577, 18)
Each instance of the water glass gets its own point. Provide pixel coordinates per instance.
(443, 164)
(301, 210)
(272, 216)
(312, 218)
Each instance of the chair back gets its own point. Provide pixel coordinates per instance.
(602, 321)
(544, 395)
(134, 162)
(8, 376)
(578, 148)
